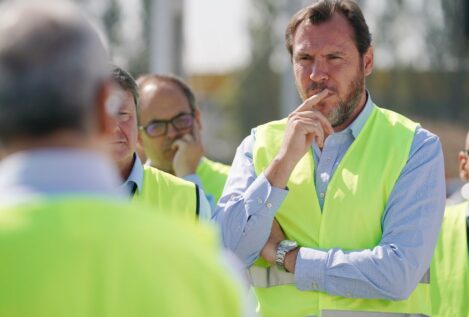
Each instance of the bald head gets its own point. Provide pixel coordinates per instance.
(52, 65)
(151, 82)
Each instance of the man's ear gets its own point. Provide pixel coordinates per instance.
(368, 61)
(463, 166)
(198, 117)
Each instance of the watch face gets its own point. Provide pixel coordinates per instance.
(288, 244)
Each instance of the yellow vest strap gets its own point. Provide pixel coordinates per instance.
(347, 313)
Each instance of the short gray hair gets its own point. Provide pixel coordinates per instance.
(51, 65)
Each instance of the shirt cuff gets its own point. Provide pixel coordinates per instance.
(263, 196)
(310, 269)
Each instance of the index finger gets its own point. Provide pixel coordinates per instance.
(311, 101)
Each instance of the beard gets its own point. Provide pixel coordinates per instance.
(347, 105)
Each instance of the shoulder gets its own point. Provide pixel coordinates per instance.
(426, 141)
(152, 174)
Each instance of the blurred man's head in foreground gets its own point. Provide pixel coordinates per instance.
(54, 76)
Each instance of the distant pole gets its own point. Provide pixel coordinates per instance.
(166, 38)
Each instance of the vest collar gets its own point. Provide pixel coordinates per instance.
(357, 125)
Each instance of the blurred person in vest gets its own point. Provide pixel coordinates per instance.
(70, 244)
(146, 184)
(357, 191)
(449, 271)
(171, 133)
(462, 194)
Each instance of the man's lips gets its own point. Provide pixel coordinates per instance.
(118, 142)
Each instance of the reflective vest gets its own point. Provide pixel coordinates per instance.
(90, 257)
(163, 191)
(351, 218)
(213, 176)
(450, 266)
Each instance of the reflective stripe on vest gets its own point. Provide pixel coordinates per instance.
(272, 276)
(167, 193)
(341, 313)
(352, 215)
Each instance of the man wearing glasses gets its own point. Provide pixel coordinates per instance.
(146, 184)
(170, 134)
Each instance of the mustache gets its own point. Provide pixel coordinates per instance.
(317, 87)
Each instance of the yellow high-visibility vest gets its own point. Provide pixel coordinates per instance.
(350, 220)
(163, 191)
(82, 257)
(213, 176)
(449, 271)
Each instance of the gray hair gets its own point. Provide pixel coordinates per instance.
(51, 66)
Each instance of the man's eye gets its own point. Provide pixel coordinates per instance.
(124, 116)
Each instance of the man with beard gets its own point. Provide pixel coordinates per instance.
(357, 191)
(146, 184)
(171, 127)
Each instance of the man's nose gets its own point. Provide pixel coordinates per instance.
(319, 72)
(172, 132)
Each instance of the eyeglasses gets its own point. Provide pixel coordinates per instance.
(157, 128)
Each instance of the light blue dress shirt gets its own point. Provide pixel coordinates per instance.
(410, 224)
(48, 172)
(136, 179)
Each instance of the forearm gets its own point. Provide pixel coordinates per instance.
(411, 224)
(246, 218)
(383, 272)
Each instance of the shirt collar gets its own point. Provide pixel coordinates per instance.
(135, 176)
(357, 125)
(465, 191)
(57, 171)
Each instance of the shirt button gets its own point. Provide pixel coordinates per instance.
(259, 201)
(315, 286)
(321, 195)
(269, 205)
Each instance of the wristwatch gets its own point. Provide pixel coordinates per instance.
(283, 248)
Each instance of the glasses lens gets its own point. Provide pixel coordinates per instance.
(155, 128)
(183, 122)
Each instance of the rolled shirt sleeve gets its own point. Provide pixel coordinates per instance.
(247, 207)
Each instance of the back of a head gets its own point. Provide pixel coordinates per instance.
(51, 64)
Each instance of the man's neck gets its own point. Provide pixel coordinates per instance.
(125, 168)
(166, 170)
